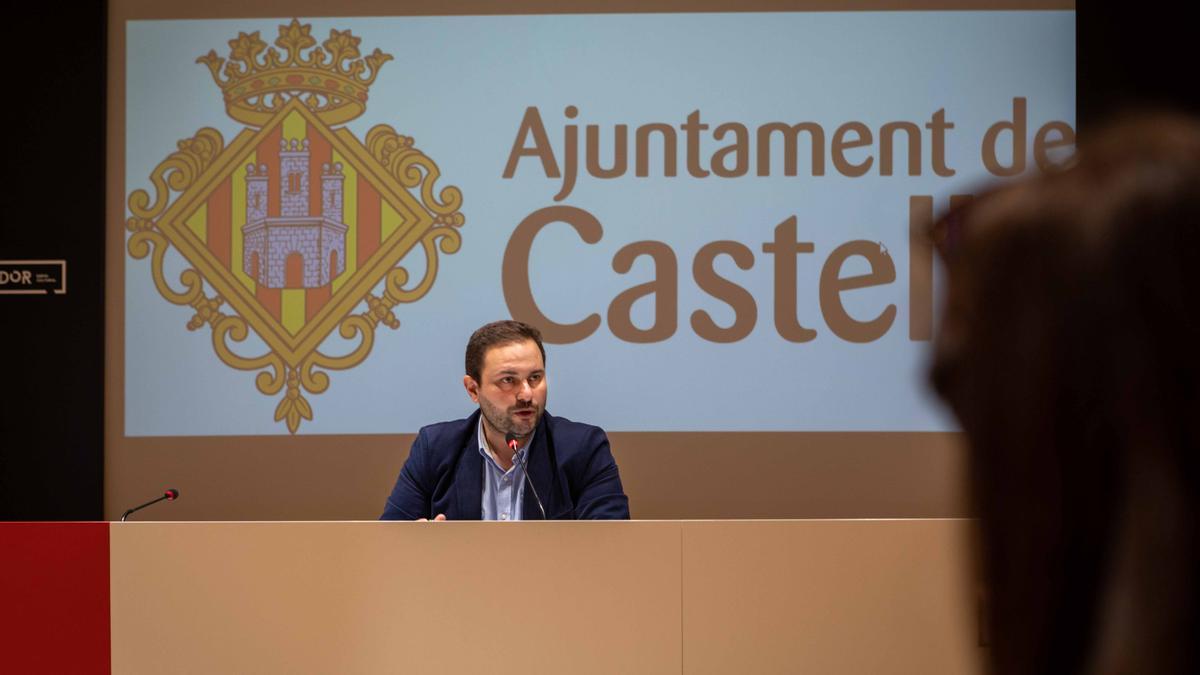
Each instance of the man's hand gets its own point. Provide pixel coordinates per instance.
(439, 517)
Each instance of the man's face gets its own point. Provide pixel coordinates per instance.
(511, 392)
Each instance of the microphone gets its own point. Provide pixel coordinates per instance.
(171, 494)
(510, 439)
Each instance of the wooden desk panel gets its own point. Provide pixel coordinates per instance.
(828, 596)
(369, 597)
(694, 597)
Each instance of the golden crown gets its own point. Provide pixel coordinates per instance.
(332, 82)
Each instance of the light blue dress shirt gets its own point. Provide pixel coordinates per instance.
(503, 491)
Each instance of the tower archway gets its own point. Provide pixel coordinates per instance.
(293, 270)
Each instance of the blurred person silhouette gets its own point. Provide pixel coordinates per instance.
(1069, 350)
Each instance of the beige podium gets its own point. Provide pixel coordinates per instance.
(803, 596)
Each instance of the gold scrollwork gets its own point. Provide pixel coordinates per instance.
(177, 172)
(208, 310)
(445, 238)
(154, 244)
(233, 327)
(355, 325)
(412, 168)
(293, 406)
(379, 310)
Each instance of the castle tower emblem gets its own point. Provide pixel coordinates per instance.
(296, 227)
(296, 249)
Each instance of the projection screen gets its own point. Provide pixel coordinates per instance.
(715, 212)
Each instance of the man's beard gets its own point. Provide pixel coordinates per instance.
(503, 422)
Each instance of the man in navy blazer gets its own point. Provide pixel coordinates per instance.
(510, 460)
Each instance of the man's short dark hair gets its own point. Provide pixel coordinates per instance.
(495, 334)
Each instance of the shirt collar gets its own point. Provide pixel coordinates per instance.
(486, 450)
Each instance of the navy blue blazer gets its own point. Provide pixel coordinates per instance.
(569, 463)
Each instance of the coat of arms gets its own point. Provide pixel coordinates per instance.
(295, 227)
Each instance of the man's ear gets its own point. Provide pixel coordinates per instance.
(472, 387)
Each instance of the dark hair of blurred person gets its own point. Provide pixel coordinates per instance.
(1070, 352)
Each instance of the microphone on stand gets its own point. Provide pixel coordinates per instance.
(510, 439)
(171, 494)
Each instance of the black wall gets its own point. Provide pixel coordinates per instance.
(52, 348)
(1131, 58)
